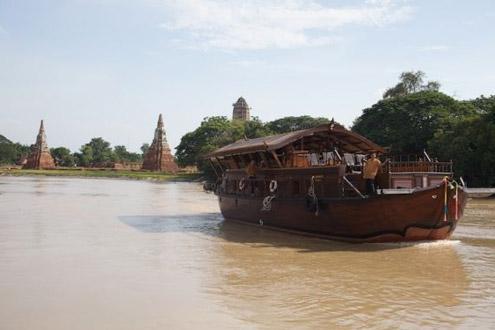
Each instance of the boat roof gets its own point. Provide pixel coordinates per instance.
(346, 140)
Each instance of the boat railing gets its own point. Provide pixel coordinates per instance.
(287, 186)
(419, 166)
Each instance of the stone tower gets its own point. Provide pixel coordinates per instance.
(158, 157)
(241, 110)
(40, 157)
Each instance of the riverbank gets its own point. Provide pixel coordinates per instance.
(103, 173)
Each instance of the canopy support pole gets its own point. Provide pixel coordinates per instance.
(219, 164)
(276, 159)
(352, 186)
(426, 155)
(214, 169)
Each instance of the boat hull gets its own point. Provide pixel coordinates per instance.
(417, 216)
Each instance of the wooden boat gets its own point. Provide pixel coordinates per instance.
(310, 182)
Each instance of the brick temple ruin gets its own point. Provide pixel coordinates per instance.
(158, 157)
(40, 157)
(241, 110)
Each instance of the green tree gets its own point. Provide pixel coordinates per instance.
(62, 156)
(411, 82)
(484, 105)
(95, 153)
(211, 134)
(144, 148)
(8, 153)
(408, 123)
(3, 139)
(215, 132)
(290, 124)
(11, 152)
(256, 128)
(122, 155)
(102, 153)
(134, 157)
(84, 158)
(470, 143)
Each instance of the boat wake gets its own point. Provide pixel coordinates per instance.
(423, 244)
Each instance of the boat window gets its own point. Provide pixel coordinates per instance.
(349, 159)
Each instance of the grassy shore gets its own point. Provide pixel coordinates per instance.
(103, 173)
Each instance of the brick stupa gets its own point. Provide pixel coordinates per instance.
(40, 157)
(158, 157)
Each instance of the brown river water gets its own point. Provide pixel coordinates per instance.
(115, 254)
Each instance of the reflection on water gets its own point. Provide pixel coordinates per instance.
(79, 253)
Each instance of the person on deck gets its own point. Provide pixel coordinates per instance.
(251, 169)
(370, 170)
(251, 172)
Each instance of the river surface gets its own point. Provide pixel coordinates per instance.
(115, 254)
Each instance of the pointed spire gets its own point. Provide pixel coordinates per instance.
(160, 121)
(41, 138)
(40, 154)
(160, 135)
(158, 157)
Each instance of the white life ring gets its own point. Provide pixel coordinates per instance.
(242, 184)
(273, 186)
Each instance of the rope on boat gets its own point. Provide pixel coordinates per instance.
(452, 184)
(267, 203)
(456, 201)
(242, 184)
(445, 201)
(456, 197)
(312, 202)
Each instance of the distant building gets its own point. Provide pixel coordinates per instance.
(40, 157)
(158, 157)
(241, 110)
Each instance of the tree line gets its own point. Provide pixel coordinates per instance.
(412, 116)
(215, 132)
(95, 153)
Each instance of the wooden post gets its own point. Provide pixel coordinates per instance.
(263, 158)
(389, 170)
(214, 169)
(236, 162)
(221, 168)
(276, 159)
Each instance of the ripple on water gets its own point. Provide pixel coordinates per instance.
(147, 255)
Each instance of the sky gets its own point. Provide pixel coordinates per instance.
(108, 68)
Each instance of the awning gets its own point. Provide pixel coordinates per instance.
(345, 140)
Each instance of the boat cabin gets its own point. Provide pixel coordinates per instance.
(329, 155)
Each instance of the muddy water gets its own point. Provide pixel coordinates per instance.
(111, 254)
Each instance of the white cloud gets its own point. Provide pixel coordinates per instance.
(258, 24)
(249, 63)
(434, 48)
